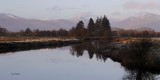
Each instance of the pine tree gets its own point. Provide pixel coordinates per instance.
(91, 27)
(106, 24)
(28, 32)
(3, 31)
(106, 27)
(72, 32)
(98, 27)
(80, 25)
(80, 31)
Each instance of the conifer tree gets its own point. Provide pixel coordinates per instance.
(106, 27)
(80, 25)
(106, 24)
(98, 27)
(91, 27)
(28, 32)
(80, 31)
(72, 32)
(3, 31)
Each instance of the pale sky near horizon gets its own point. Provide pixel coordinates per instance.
(66, 9)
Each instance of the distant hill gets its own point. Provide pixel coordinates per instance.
(15, 23)
(144, 29)
(146, 20)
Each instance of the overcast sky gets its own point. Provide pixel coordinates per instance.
(66, 9)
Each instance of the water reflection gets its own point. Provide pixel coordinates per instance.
(139, 75)
(133, 73)
(56, 64)
(91, 48)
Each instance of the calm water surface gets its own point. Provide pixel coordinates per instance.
(76, 62)
(57, 64)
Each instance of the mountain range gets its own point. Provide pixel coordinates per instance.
(15, 23)
(145, 20)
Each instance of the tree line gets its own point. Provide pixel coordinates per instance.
(34, 33)
(135, 33)
(100, 28)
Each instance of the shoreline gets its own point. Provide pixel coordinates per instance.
(29, 45)
(117, 55)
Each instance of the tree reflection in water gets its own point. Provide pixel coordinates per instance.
(139, 75)
(92, 47)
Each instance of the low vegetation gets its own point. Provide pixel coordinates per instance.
(140, 55)
(33, 39)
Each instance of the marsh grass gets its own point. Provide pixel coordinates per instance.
(139, 55)
(30, 39)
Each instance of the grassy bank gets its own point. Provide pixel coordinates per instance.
(138, 54)
(128, 39)
(27, 43)
(31, 39)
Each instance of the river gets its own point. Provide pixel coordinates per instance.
(64, 63)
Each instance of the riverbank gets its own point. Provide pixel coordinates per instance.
(143, 55)
(13, 46)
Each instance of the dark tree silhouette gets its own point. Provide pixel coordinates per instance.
(98, 27)
(28, 32)
(91, 27)
(3, 31)
(62, 32)
(72, 32)
(80, 30)
(106, 27)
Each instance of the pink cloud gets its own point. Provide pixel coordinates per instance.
(141, 5)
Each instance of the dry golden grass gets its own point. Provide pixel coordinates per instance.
(30, 39)
(125, 40)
